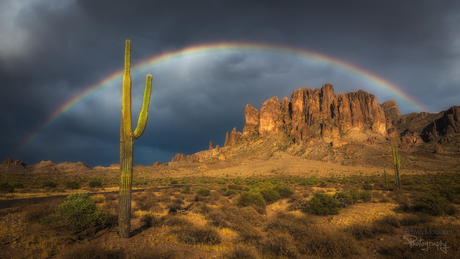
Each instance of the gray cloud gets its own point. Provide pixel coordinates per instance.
(51, 51)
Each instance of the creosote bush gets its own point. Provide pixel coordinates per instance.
(432, 203)
(48, 184)
(6, 187)
(323, 204)
(72, 184)
(251, 198)
(197, 235)
(203, 192)
(79, 211)
(95, 182)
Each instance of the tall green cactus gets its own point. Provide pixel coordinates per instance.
(127, 137)
(397, 163)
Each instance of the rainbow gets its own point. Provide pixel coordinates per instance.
(224, 48)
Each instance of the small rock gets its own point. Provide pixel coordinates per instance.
(381, 239)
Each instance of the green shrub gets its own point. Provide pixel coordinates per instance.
(231, 192)
(232, 187)
(251, 198)
(344, 199)
(368, 187)
(18, 185)
(269, 194)
(173, 181)
(72, 184)
(323, 204)
(432, 203)
(186, 189)
(284, 191)
(203, 192)
(95, 182)
(48, 184)
(240, 253)
(195, 235)
(80, 211)
(366, 196)
(323, 184)
(220, 181)
(6, 187)
(354, 194)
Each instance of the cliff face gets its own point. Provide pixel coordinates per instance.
(317, 113)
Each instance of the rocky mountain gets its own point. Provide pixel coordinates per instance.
(9, 165)
(318, 113)
(314, 118)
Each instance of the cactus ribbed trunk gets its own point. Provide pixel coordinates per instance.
(127, 137)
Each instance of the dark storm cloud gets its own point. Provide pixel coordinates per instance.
(53, 50)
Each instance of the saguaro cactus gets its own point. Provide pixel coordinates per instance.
(397, 163)
(127, 137)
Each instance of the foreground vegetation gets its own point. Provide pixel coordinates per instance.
(253, 217)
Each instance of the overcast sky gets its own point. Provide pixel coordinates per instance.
(53, 50)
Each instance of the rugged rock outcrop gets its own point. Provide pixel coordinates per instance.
(65, 166)
(270, 117)
(390, 108)
(157, 163)
(181, 158)
(450, 122)
(226, 139)
(211, 146)
(10, 165)
(318, 113)
(252, 119)
(234, 137)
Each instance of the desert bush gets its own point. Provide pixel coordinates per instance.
(80, 211)
(323, 184)
(218, 219)
(329, 244)
(354, 194)
(368, 186)
(344, 199)
(203, 192)
(145, 201)
(231, 192)
(18, 185)
(6, 187)
(172, 220)
(279, 244)
(366, 196)
(323, 204)
(150, 220)
(269, 194)
(72, 184)
(201, 208)
(432, 203)
(92, 251)
(95, 182)
(220, 181)
(415, 219)
(49, 184)
(284, 191)
(247, 234)
(251, 198)
(186, 189)
(299, 227)
(239, 253)
(173, 181)
(34, 213)
(360, 231)
(197, 235)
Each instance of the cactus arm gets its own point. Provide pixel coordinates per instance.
(145, 107)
